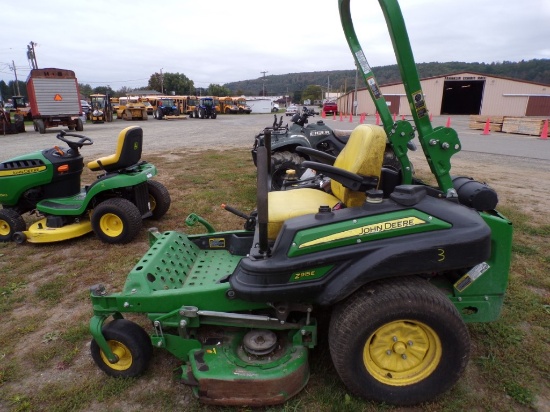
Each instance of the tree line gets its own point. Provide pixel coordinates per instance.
(300, 86)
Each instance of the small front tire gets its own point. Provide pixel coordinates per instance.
(116, 220)
(159, 199)
(11, 222)
(130, 343)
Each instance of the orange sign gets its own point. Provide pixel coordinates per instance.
(58, 98)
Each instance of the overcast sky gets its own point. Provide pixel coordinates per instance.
(121, 43)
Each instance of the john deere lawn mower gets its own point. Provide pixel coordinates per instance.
(400, 271)
(47, 183)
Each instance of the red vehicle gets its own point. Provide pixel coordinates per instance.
(54, 99)
(330, 108)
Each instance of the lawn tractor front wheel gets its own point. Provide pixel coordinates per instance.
(400, 341)
(159, 199)
(116, 220)
(131, 345)
(10, 222)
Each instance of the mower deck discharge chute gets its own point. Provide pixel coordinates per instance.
(401, 270)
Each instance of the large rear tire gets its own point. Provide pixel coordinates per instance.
(159, 199)
(280, 163)
(130, 343)
(19, 122)
(79, 125)
(398, 341)
(10, 223)
(39, 126)
(116, 220)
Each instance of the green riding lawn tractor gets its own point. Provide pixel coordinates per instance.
(400, 271)
(47, 183)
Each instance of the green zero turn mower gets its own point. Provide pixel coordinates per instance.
(401, 270)
(47, 183)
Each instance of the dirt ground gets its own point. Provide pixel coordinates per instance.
(520, 183)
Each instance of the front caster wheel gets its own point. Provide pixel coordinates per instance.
(11, 222)
(131, 345)
(398, 341)
(116, 220)
(159, 199)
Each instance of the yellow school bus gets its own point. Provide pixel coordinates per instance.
(227, 106)
(242, 107)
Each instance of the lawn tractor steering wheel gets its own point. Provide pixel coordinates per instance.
(74, 145)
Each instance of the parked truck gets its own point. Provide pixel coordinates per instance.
(54, 99)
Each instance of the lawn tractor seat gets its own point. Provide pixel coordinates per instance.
(128, 151)
(363, 155)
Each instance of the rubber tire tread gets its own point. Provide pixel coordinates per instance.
(288, 160)
(381, 302)
(129, 214)
(162, 198)
(14, 220)
(134, 338)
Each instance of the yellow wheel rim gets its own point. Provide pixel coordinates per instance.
(4, 228)
(111, 224)
(402, 353)
(152, 203)
(123, 354)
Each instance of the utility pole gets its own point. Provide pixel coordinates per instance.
(31, 55)
(263, 83)
(12, 68)
(161, 82)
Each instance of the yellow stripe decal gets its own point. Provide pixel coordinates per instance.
(26, 171)
(389, 225)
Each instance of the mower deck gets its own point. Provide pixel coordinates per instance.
(38, 232)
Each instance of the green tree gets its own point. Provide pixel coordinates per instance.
(85, 89)
(123, 91)
(104, 90)
(167, 83)
(297, 97)
(312, 92)
(217, 90)
(4, 90)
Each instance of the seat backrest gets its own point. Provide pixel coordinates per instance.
(363, 154)
(128, 151)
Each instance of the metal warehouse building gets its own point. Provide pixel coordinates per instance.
(462, 94)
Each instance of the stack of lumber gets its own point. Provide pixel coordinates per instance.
(523, 125)
(479, 122)
(509, 124)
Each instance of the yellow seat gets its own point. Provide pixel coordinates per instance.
(362, 155)
(128, 151)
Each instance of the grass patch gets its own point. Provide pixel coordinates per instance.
(44, 354)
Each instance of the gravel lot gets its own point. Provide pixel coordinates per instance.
(239, 130)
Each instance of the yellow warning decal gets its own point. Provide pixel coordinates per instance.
(389, 225)
(26, 171)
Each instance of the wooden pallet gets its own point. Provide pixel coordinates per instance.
(531, 126)
(479, 122)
